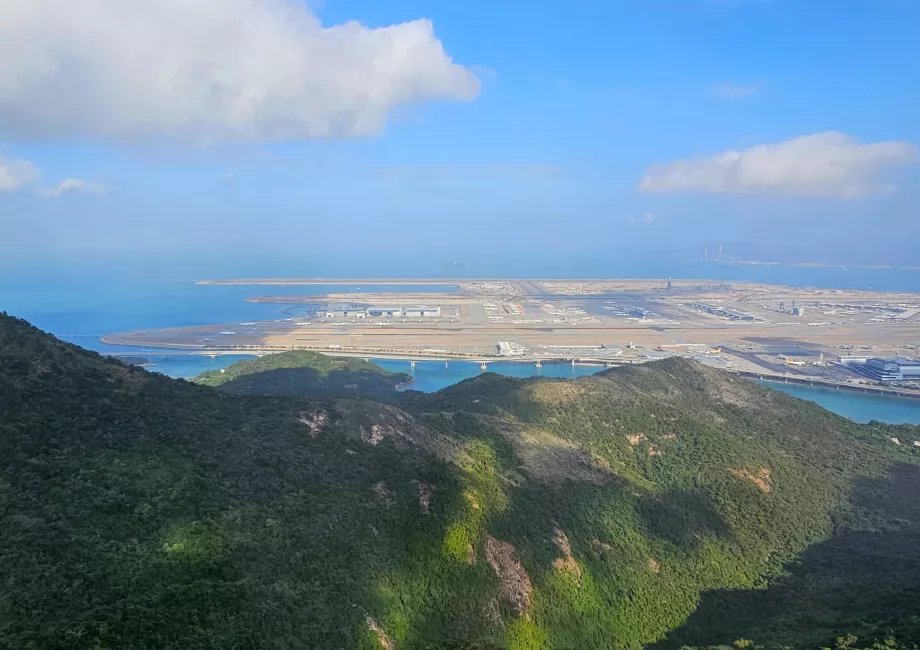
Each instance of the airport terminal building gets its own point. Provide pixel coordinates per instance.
(353, 310)
(897, 369)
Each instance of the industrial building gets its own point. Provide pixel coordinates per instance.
(510, 349)
(345, 310)
(377, 311)
(352, 310)
(898, 369)
(724, 312)
(422, 311)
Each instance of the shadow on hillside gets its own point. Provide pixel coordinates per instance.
(682, 517)
(307, 382)
(858, 582)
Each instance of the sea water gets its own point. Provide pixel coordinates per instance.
(81, 307)
(859, 407)
(431, 376)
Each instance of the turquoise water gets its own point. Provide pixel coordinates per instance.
(188, 365)
(82, 305)
(431, 376)
(856, 406)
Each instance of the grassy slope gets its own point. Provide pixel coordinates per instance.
(139, 511)
(303, 373)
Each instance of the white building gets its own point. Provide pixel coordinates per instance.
(422, 311)
(509, 349)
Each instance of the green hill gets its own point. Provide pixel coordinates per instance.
(665, 504)
(301, 373)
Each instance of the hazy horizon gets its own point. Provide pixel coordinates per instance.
(277, 129)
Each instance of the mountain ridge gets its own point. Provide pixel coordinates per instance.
(140, 511)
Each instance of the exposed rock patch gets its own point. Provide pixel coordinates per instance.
(567, 562)
(314, 421)
(375, 433)
(761, 477)
(635, 438)
(653, 565)
(382, 492)
(385, 642)
(516, 588)
(387, 422)
(425, 492)
(598, 545)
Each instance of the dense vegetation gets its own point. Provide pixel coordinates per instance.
(302, 373)
(133, 361)
(666, 504)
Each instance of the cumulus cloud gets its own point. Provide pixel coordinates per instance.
(734, 91)
(73, 186)
(210, 70)
(16, 174)
(823, 164)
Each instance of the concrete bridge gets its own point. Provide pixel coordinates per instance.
(820, 382)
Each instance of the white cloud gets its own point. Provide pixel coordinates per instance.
(735, 91)
(823, 164)
(73, 186)
(16, 174)
(648, 217)
(210, 70)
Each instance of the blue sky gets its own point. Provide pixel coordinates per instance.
(594, 128)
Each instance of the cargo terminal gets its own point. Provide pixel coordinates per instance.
(354, 310)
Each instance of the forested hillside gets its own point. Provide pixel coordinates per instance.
(303, 373)
(667, 504)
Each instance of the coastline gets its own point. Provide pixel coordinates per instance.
(484, 361)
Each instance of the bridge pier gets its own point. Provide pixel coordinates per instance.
(412, 364)
(538, 364)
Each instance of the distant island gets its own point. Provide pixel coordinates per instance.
(305, 374)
